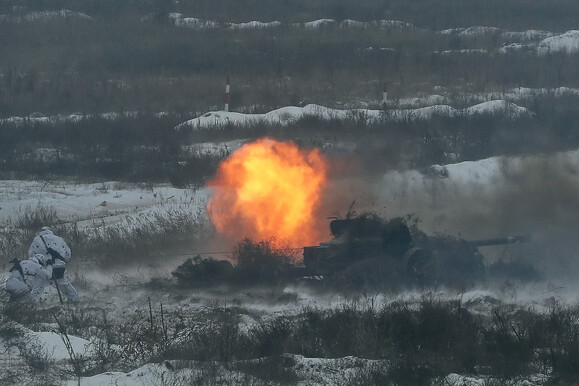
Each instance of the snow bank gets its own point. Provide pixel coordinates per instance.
(564, 43)
(290, 114)
(149, 374)
(45, 15)
(567, 42)
(420, 107)
(109, 201)
(53, 345)
(508, 109)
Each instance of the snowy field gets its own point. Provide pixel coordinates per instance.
(439, 196)
(488, 198)
(137, 325)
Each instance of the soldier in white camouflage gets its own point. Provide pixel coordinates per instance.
(56, 249)
(29, 278)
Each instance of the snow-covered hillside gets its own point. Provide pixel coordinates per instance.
(290, 114)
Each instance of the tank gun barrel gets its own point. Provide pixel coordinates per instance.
(500, 241)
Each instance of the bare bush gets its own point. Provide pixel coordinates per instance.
(262, 261)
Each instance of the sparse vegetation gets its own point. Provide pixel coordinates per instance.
(262, 261)
(132, 88)
(118, 58)
(149, 150)
(171, 228)
(420, 342)
(127, 76)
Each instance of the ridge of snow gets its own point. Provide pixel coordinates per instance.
(497, 106)
(45, 15)
(531, 34)
(289, 114)
(567, 42)
(192, 22)
(37, 117)
(317, 23)
(254, 25)
(478, 30)
(462, 51)
(349, 23)
(470, 31)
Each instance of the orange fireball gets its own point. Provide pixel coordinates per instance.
(269, 189)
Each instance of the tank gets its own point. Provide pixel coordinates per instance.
(369, 250)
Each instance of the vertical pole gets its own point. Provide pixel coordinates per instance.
(227, 94)
(384, 97)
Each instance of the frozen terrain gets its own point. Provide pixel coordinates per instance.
(436, 196)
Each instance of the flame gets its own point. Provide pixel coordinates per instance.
(269, 189)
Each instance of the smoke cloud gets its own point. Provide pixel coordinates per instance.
(497, 197)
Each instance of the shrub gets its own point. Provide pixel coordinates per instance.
(261, 262)
(200, 272)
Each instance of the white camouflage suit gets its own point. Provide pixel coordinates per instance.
(40, 244)
(31, 282)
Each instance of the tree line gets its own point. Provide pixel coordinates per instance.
(124, 61)
(148, 148)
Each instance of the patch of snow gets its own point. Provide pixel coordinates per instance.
(470, 31)
(282, 116)
(394, 23)
(254, 25)
(478, 31)
(76, 202)
(529, 35)
(567, 42)
(192, 22)
(53, 345)
(382, 24)
(463, 380)
(463, 51)
(290, 114)
(353, 23)
(451, 31)
(559, 91)
(515, 47)
(496, 107)
(315, 24)
(45, 15)
(332, 371)
(149, 374)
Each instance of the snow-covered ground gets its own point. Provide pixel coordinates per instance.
(499, 196)
(290, 114)
(82, 203)
(420, 107)
(438, 196)
(123, 301)
(540, 42)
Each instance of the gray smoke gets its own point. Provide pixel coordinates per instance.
(533, 195)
